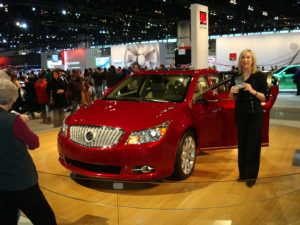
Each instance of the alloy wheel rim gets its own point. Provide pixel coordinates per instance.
(188, 155)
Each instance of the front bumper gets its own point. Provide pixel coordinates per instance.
(120, 162)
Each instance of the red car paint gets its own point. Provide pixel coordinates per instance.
(210, 119)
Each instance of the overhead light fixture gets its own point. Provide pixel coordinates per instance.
(233, 2)
(21, 25)
(250, 8)
(265, 13)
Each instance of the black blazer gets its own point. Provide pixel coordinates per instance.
(246, 103)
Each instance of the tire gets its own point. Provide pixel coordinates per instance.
(185, 157)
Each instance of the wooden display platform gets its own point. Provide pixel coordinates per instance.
(210, 196)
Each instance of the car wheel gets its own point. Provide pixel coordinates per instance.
(185, 156)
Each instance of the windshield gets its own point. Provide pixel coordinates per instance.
(279, 70)
(161, 88)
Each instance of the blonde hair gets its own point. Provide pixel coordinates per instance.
(253, 66)
(8, 92)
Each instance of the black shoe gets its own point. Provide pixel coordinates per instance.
(250, 182)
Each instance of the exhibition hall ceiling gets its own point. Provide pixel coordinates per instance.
(39, 25)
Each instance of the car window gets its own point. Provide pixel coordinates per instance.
(215, 79)
(152, 88)
(291, 70)
(201, 86)
(279, 70)
(219, 78)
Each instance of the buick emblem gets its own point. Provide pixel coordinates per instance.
(89, 136)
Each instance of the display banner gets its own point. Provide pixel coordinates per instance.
(199, 36)
(146, 55)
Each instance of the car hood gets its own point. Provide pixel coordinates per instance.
(124, 114)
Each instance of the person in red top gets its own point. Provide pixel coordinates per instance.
(19, 188)
(43, 97)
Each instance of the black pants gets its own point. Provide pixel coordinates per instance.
(249, 132)
(298, 88)
(30, 201)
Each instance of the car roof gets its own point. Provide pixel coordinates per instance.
(285, 68)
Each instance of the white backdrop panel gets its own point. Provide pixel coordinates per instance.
(270, 49)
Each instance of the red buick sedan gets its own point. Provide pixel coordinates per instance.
(152, 125)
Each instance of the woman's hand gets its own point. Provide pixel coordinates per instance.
(24, 117)
(60, 91)
(234, 90)
(249, 88)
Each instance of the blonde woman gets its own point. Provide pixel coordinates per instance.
(249, 90)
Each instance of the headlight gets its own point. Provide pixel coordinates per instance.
(149, 135)
(64, 129)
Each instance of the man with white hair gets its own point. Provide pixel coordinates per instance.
(19, 188)
(3, 75)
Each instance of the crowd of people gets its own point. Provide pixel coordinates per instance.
(52, 93)
(55, 92)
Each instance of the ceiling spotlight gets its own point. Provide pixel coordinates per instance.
(233, 2)
(250, 8)
(264, 13)
(64, 12)
(23, 25)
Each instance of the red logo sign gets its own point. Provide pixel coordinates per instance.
(232, 56)
(203, 18)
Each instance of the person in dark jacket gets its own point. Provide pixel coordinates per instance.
(248, 95)
(296, 80)
(30, 95)
(74, 90)
(57, 89)
(19, 188)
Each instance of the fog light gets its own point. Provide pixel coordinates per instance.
(147, 169)
(143, 169)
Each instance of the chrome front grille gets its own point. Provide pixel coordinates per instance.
(92, 136)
